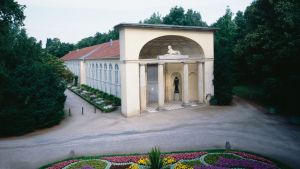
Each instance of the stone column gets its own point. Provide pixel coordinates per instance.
(200, 82)
(143, 87)
(185, 84)
(161, 86)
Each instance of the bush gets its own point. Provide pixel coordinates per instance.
(32, 101)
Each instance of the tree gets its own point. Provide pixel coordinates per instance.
(57, 48)
(98, 38)
(177, 16)
(59, 67)
(224, 42)
(193, 18)
(270, 50)
(155, 18)
(31, 90)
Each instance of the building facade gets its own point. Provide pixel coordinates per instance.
(150, 64)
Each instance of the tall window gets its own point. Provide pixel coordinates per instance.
(110, 79)
(101, 78)
(117, 79)
(97, 78)
(105, 77)
(93, 75)
(116, 74)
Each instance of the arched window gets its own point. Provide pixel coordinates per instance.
(110, 79)
(117, 79)
(89, 74)
(100, 77)
(97, 74)
(93, 75)
(105, 77)
(116, 74)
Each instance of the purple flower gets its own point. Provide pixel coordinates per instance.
(224, 162)
(209, 167)
(254, 157)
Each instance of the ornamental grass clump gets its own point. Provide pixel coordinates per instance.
(155, 159)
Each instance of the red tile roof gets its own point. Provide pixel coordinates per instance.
(101, 51)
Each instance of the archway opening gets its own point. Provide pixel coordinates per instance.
(159, 46)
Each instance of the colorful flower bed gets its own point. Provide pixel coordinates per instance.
(187, 160)
(101, 100)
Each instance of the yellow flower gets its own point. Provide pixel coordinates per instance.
(144, 161)
(133, 166)
(169, 160)
(182, 166)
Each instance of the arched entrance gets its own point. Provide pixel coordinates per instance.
(164, 75)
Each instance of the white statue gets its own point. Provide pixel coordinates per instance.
(173, 52)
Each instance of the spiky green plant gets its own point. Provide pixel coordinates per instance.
(155, 159)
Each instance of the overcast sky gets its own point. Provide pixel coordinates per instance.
(72, 20)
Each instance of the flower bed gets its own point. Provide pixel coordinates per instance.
(187, 160)
(103, 101)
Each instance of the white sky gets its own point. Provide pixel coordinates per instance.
(72, 20)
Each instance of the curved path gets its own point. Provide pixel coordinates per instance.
(246, 126)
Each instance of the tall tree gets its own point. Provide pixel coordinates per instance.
(31, 90)
(271, 50)
(193, 18)
(175, 17)
(224, 42)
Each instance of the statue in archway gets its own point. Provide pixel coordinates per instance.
(176, 89)
(176, 85)
(173, 52)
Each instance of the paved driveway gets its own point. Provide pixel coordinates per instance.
(195, 128)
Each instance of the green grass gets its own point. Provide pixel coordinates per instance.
(213, 158)
(192, 163)
(96, 164)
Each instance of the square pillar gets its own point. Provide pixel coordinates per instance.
(82, 76)
(161, 86)
(143, 91)
(200, 82)
(130, 92)
(185, 97)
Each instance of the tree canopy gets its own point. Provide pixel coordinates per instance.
(177, 16)
(224, 42)
(31, 87)
(267, 50)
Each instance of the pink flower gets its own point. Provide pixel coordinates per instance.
(254, 157)
(123, 159)
(186, 156)
(62, 164)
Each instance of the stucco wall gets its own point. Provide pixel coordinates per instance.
(137, 38)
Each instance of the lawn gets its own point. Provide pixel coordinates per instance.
(210, 159)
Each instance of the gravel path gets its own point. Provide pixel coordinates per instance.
(246, 126)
